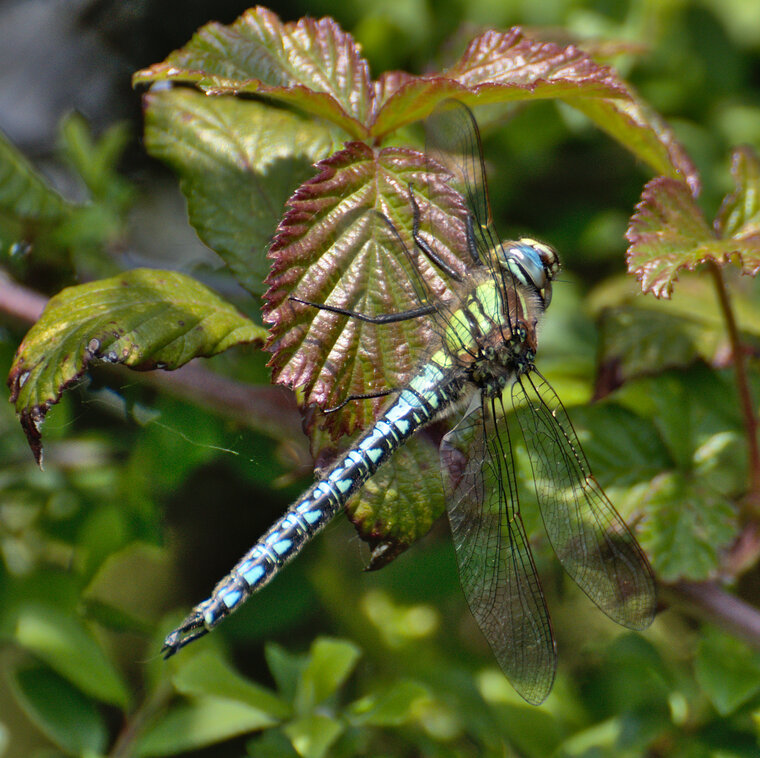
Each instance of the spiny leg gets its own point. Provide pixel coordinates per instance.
(428, 251)
(383, 318)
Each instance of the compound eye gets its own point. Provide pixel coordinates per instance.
(525, 263)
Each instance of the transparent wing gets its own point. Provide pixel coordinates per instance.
(590, 539)
(453, 140)
(495, 564)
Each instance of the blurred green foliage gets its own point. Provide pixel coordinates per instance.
(147, 499)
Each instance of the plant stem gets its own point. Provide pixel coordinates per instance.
(708, 601)
(752, 501)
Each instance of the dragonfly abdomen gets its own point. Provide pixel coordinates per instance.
(431, 391)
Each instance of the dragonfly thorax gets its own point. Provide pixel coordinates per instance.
(497, 365)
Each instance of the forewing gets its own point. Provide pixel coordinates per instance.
(591, 540)
(452, 139)
(496, 568)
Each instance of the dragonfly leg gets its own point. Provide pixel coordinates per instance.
(364, 396)
(423, 246)
(383, 318)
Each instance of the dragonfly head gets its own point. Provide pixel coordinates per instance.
(533, 264)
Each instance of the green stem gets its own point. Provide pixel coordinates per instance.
(137, 721)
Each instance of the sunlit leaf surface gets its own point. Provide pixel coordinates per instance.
(144, 319)
(333, 248)
(312, 64)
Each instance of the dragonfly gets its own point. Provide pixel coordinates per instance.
(482, 353)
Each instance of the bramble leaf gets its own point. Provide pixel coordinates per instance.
(144, 319)
(333, 248)
(668, 232)
(312, 64)
(739, 215)
(238, 162)
(686, 529)
(400, 503)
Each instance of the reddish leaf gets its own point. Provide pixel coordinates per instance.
(333, 248)
(668, 233)
(312, 64)
(496, 67)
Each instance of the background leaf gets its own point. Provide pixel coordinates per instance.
(143, 319)
(238, 162)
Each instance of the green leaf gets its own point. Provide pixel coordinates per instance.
(286, 668)
(687, 527)
(95, 160)
(401, 502)
(208, 674)
(66, 646)
(392, 707)
(330, 663)
(739, 216)
(144, 319)
(205, 721)
(347, 257)
(311, 64)
(60, 711)
(238, 162)
(727, 669)
(23, 192)
(312, 736)
(136, 602)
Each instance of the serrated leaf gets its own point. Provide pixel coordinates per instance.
(208, 674)
(727, 670)
(238, 162)
(205, 721)
(66, 646)
(316, 66)
(312, 736)
(668, 233)
(643, 336)
(400, 503)
(143, 319)
(23, 192)
(496, 67)
(60, 711)
(687, 526)
(312, 64)
(739, 215)
(330, 663)
(332, 248)
(392, 707)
